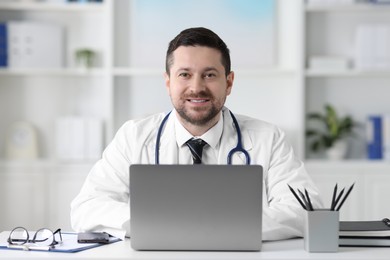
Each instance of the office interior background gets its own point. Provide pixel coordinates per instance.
(72, 72)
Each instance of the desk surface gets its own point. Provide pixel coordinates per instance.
(288, 249)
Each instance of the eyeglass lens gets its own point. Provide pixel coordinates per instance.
(43, 237)
(18, 236)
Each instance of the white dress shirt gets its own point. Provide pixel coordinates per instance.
(211, 137)
(103, 202)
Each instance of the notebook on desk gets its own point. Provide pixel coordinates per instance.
(196, 207)
(365, 233)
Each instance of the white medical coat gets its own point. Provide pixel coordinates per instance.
(103, 202)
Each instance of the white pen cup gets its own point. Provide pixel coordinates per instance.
(321, 231)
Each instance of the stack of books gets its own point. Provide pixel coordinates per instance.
(365, 233)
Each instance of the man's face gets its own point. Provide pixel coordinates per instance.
(197, 84)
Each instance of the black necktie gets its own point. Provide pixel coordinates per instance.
(196, 148)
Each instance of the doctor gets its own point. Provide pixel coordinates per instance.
(198, 80)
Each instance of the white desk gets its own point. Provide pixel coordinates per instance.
(288, 249)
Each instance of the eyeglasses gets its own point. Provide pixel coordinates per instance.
(43, 239)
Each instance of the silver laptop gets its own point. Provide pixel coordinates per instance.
(196, 207)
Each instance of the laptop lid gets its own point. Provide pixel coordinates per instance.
(196, 207)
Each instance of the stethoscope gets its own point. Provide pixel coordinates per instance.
(238, 149)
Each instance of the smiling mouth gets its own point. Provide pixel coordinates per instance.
(198, 100)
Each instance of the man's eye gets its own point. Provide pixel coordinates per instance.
(209, 75)
(184, 75)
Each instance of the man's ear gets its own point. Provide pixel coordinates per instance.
(229, 83)
(167, 82)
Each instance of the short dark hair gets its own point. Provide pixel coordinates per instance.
(198, 36)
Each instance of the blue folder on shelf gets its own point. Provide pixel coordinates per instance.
(3, 45)
(69, 243)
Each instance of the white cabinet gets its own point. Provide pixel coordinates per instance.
(22, 197)
(38, 194)
(330, 30)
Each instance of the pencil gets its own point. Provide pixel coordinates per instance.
(334, 197)
(304, 200)
(345, 197)
(296, 196)
(308, 200)
(339, 197)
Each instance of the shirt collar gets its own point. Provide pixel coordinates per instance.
(212, 136)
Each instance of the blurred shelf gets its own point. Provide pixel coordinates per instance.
(347, 73)
(358, 7)
(53, 72)
(60, 7)
(128, 71)
(267, 72)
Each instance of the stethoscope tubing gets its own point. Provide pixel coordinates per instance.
(238, 149)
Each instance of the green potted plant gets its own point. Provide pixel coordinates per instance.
(331, 136)
(85, 57)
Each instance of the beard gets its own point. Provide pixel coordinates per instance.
(199, 116)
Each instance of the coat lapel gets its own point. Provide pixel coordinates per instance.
(168, 145)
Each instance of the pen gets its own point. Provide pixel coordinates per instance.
(308, 200)
(334, 197)
(345, 197)
(296, 196)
